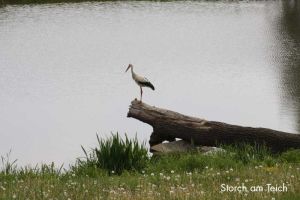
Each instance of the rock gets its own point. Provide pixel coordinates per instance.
(172, 147)
(182, 146)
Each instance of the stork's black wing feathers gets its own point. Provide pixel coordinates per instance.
(147, 84)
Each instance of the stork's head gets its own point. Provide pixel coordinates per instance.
(129, 66)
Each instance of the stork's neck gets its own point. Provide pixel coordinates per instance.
(132, 73)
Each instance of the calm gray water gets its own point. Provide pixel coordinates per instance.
(62, 69)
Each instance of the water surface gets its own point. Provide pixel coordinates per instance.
(62, 69)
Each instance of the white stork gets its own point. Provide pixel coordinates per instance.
(141, 81)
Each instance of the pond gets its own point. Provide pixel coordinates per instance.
(62, 67)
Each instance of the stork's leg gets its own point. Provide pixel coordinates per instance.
(141, 94)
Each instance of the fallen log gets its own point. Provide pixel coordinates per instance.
(169, 125)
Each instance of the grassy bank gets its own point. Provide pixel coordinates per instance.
(179, 176)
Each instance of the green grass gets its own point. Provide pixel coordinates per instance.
(174, 176)
(116, 155)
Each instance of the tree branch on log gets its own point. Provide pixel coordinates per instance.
(168, 125)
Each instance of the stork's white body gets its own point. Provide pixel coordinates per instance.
(140, 80)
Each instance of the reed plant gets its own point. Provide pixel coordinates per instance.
(115, 155)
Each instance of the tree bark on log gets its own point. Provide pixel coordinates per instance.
(168, 125)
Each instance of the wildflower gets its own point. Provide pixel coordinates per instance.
(168, 178)
(112, 171)
(73, 175)
(218, 173)
(172, 171)
(227, 172)
(152, 174)
(161, 174)
(292, 176)
(189, 173)
(14, 196)
(3, 188)
(143, 172)
(206, 167)
(231, 169)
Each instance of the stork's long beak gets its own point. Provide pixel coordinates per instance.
(127, 68)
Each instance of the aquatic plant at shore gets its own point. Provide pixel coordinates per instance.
(115, 155)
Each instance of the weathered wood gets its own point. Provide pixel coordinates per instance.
(168, 125)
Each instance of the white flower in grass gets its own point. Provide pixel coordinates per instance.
(189, 173)
(152, 174)
(172, 171)
(14, 196)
